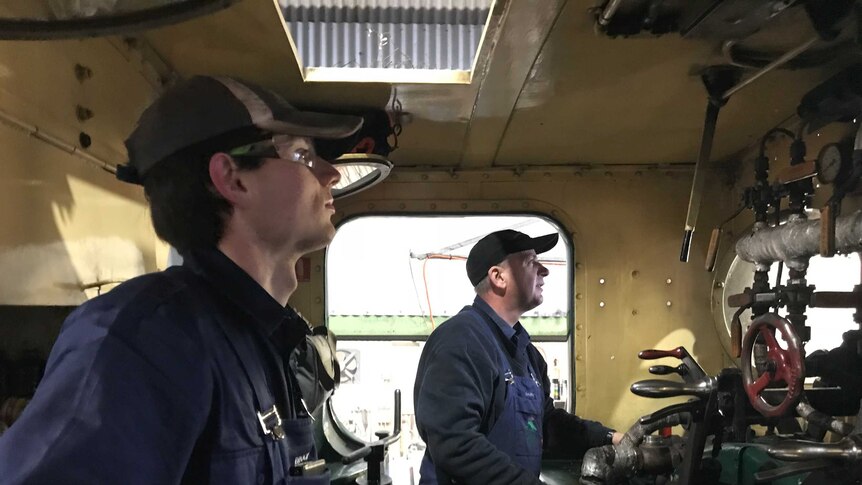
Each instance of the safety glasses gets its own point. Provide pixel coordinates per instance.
(282, 147)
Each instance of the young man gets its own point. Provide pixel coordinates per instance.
(183, 375)
(482, 393)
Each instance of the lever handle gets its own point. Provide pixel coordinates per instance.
(652, 354)
(849, 448)
(663, 370)
(656, 388)
(684, 407)
(712, 251)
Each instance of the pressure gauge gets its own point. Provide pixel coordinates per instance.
(829, 162)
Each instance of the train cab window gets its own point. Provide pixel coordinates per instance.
(826, 274)
(391, 280)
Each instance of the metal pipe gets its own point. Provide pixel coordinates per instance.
(807, 412)
(608, 463)
(769, 67)
(55, 142)
(609, 11)
(798, 240)
(796, 450)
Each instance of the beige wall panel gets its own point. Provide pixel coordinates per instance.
(65, 223)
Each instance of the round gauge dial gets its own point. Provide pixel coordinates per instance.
(829, 162)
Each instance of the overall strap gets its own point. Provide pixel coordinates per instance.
(248, 354)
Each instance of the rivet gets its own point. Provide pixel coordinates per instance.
(668, 303)
(82, 73)
(668, 281)
(601, 281)
(433, 206)
(317, 300)
(525, 204)
(613, 357)
(402, 206)
(495, 205)
(601, 304)
(579, 265)
(579, 327)
(635, 273)
(580, 388)
(579, 296)
(608, 174)
(720, 284)
(634, 313)
(370, 206)
(83, 113)
(317, 268)
(638, 173)
(453, 175)
(485, 175)
(579, 357)
(464, 205)
(424, 176)
(554, 213)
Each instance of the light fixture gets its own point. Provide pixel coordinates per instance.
(359, 171)
(65, 19)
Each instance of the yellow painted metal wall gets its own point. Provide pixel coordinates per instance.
(626, 226)
(64, 222)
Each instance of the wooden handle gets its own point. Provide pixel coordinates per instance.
(658, 354)
(797, 172)
(827, 231)
(712, 251)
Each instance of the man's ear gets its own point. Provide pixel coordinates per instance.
(225, 177)
(496, 277)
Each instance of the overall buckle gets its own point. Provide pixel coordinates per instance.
(270, 423)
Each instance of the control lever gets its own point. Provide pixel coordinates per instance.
(656, 388)
(685, 407)
(663, 370)
(695, 371)
(849, 448)
(375, 452)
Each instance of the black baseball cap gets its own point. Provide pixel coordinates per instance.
(204, 108)
(492, 249)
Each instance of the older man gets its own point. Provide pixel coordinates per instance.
(181, 376)
(482, 393)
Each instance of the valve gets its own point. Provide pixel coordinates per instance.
(783, 365)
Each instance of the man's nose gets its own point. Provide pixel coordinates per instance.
(543, 271)
(328, 175)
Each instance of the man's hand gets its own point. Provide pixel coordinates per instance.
(617, 437)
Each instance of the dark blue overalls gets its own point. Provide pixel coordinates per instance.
(518, 430)
(289, 442)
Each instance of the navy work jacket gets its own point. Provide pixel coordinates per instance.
(144, 387)
(460, 392)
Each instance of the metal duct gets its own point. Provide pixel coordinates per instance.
(797, 240)
(407, 34)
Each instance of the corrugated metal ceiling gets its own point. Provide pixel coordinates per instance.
(387, 34)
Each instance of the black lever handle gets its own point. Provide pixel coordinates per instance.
(663, 370)
(658, 388)
(684, 407)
